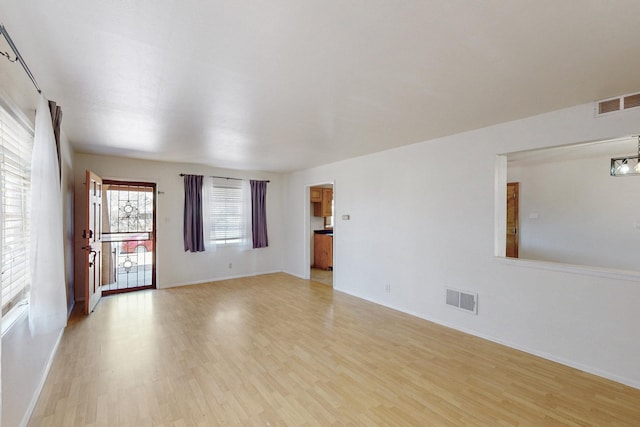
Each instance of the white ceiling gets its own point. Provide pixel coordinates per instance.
(282, 85)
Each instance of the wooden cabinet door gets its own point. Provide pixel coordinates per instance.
(317, 251)
(327, 202)
(322, 251)
(316, 195)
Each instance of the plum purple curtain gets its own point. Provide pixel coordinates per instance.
(259, 214)
(193, 224)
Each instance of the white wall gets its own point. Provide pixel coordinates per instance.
(584, 216)
(422, 218)
(174, 265)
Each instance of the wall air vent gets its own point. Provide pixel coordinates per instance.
(463, 300)
(619, 103)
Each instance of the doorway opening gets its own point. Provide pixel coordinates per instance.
(321, 221)
(128, 236)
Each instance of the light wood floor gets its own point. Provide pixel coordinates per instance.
(275, 350)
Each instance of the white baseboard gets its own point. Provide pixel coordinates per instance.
(296, 275)
(218, 279)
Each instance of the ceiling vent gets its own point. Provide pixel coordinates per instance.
(620, 103)
(463, 300)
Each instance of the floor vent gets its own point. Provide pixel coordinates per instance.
(620, 103)
(463, 300)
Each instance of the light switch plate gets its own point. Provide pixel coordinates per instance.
(346, 217)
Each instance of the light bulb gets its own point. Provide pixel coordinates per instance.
(623, 168)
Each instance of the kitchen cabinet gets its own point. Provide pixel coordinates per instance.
(316, 194)
(327, 202)
(323, 251)
(325, 206)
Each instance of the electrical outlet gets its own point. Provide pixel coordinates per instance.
(230, 265)
(388, 288)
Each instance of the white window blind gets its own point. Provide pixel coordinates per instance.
(226, 206)
(16, 144)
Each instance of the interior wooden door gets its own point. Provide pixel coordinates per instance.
(93, 241)
(512, 220)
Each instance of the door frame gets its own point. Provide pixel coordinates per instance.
(307, 227)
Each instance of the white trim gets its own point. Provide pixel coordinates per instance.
(45, 374)
(500, 203)
(296, 275)
(585, 270)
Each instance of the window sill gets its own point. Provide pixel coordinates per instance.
(585, 270)
(14, 315)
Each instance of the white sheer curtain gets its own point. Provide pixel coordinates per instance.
(247, 241)
(207, 215)
(48, 301)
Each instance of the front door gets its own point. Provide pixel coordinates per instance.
(128, 236)
(512, 220)
(93, 242)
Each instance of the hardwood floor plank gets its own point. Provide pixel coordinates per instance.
(275, 350)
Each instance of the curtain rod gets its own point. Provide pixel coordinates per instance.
(224, 177)
(19, 57)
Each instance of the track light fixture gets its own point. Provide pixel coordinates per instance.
(626, 166)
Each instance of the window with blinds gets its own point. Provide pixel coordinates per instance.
(226, 206)
(16, 144)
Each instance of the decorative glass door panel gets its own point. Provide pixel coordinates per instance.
(128, 236)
